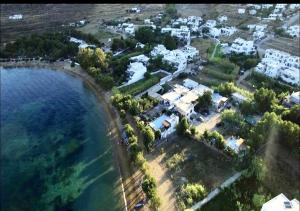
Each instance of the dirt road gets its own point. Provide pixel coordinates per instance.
(166, 190)
(210, 124)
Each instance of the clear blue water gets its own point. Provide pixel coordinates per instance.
(55, 153)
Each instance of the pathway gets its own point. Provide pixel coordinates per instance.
(215, 192)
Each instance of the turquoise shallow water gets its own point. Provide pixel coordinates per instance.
(55, 154)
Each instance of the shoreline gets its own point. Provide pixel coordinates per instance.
(120, 156)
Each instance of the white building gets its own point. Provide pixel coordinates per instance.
(183, 100)
(82, 43)
(211, 23)
(238, 98)
(177, 58)
(135, 10)
(252, 12)
(235, 144)
(228, 31)
(294, 6)
(295, 97)
(242, 46)
(182, 33)
(214, 32)
(222, 18)
(190, 84)
(190, 52)
(281, 203)
(148, 22)
(136, 71)
(16, 17)
(159, 50)
(139, 45)
(140, 58)
(266, 6)
(241, 11)
(294, 31)
(218, 101)
(165, 124)
(279, 64)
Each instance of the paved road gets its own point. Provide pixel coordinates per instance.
(294, 20)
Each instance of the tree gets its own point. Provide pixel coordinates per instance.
(171, 10)
(170, 42)
(117, 44)
(183, 126)
(149, 186)
(259, 199)
(147, 74)
(149, 137)
(233, 121)
(264, 98)
(191, 193)
(257, 169)
(205, 30)
(226, 89)
(247, 108)
(134, 149)
(106, 81)
(193, 130)
(145, 35)
(129, 130)
(292, 115)
(205, 101)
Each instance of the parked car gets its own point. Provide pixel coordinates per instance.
(200, 119)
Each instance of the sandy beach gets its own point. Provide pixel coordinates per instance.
(122, 161)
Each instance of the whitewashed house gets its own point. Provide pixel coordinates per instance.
(252, 12)
(16, 17)
(228, 31)
(294, 6)
(241, 11)
(280, 65)
(238, 98)
(190, 84)
(183, 99)
(82, 43)
(211, 23)
(294, 31)
(295, 98)
(215, 32)
(165, 124)
(190, 52)
(235, 144)
(139, 45)
(183, 33)
(136, 71)
(241, 46)
(218, 101)
(281, 203)
(135, 10)
(140, 58)
(266, 6)
(159, 50)
(222, 18)
(166, 30)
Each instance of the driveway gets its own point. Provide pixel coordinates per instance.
(210, 124)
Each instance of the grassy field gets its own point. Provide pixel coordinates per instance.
(141, 85)
(288, 45)
(202, 45)
(206, 166)
(260, 80)
(38, 18)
